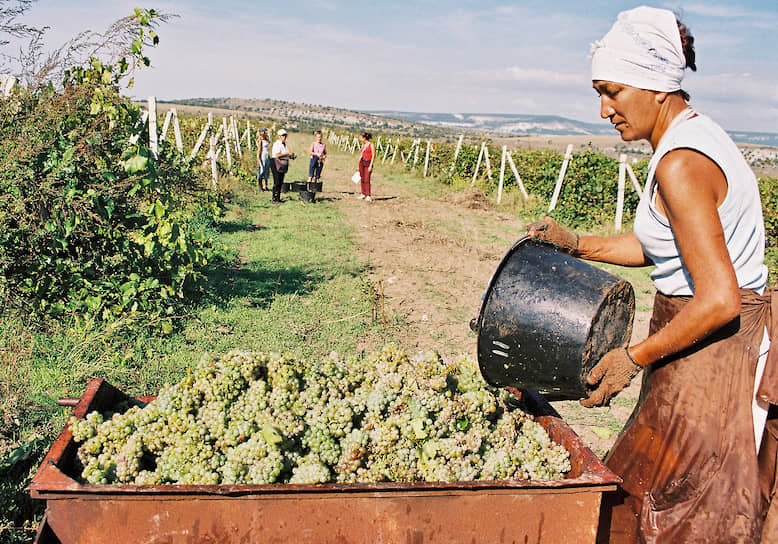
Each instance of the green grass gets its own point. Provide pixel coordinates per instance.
(295, 284)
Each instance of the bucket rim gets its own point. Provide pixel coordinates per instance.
(519, 242)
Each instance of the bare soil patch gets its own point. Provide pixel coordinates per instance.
(432, 259)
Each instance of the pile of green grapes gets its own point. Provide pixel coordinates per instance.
(255, 418)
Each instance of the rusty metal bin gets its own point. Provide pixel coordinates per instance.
(480, 511)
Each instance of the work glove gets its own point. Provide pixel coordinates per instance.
(614, 372)
(550, 232)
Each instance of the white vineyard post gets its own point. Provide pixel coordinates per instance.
(396, 147)
(235, 136)
(620, 191)
(502, 174)
(558, 187)
(8, 85)
(238, 141)
(248, 131)
(387, 147)
(177, 131)
(144, 116)
(478, 163)
(201, 139)
(166, 125)
(635, 183)
(416, 151)
(487, 162)
(378, 144)
(219, 133)
(226, 131)
(153, 142)
(456, 154)
(212, 152)
(427, 159)
(518, 178)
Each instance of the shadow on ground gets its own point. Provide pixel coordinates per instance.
(258, 285)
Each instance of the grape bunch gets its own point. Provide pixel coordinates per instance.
(259, 418)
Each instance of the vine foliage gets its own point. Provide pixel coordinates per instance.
(90, 223)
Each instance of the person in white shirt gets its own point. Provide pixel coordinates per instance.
(279, 163)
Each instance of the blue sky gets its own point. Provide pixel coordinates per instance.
(435, 56)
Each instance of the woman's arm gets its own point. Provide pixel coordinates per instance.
(691, 188)
(281, 154)
(624, 250)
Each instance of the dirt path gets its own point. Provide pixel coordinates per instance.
(432, 258)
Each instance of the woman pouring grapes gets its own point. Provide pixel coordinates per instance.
(697, 456)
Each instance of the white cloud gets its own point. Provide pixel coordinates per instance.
(725, 11)
(734, 88)
(529, 75)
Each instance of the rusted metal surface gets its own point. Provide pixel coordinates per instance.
(497, 511)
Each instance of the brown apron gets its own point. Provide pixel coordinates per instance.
(687, 454)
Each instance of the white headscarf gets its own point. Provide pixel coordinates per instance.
(643, 49)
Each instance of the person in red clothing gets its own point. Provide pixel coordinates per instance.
(366, 158)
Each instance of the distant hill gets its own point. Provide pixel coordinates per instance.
(502, 124)
(307, 117)
(505, 124)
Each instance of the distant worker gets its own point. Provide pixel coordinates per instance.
(318, 154)
(280, 164)
(263, 159)
(366, 158)
(698, 455)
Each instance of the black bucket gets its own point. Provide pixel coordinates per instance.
(299, 186)
(547, 318)
(307, 196)
(315, 186)
(286, 187)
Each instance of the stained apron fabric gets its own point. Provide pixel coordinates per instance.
(687, 454)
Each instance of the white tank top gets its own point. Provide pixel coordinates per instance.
(740, 213)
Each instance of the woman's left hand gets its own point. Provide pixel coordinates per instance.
(614, 372)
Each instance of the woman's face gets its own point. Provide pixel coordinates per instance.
(318, 138)
(632, 111)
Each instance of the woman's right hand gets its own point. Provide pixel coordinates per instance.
(550, 232)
